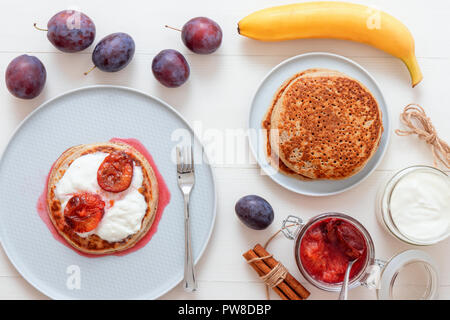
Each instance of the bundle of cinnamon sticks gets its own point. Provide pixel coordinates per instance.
(289, 288)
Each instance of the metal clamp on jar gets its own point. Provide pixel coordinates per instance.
(325, 244)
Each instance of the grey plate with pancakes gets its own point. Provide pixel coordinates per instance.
(265, 98)
(91, 115)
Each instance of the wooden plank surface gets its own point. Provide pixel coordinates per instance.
(217, 96)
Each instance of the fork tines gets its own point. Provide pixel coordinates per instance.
(185, 159)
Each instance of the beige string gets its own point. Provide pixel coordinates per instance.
(414, 117)
(275, 276)
(258, 258)
(278, 273)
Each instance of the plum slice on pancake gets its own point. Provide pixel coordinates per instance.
(84, 211)
(115, 172)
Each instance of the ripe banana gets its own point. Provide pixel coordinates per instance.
(337, 20)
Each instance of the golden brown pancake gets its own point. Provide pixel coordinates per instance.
(324, 125)
(93, 244)
(272, 155)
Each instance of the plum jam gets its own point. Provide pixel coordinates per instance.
(327, 247)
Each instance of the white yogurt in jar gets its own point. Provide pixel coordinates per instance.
(420, 206)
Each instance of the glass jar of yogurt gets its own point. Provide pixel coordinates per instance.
(414, 205)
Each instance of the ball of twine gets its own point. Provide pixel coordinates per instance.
(414, 117)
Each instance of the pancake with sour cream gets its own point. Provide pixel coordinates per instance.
(102, 198)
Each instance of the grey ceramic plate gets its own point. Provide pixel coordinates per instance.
(261, 102)
(87, 115)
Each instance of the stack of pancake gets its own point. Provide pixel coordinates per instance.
(322, 124)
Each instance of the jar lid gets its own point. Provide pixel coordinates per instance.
(410, 275)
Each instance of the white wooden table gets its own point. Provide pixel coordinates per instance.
(218, 96)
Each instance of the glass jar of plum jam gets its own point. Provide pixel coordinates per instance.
(324, 245)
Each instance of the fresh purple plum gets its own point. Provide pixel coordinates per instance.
(202, 35)
(170, 68)
(255, 212)
(114, 52)
(71, 31)
(25, 77)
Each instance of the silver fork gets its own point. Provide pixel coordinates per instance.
(186, 179)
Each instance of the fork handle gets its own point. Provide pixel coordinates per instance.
(190, 283)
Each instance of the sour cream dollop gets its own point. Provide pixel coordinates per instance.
(123, 211)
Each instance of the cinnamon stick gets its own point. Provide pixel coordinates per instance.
(265, 269)
(290, 280)
(260, 273)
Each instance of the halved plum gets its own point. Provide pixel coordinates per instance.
(115, 172)
(84, 211)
